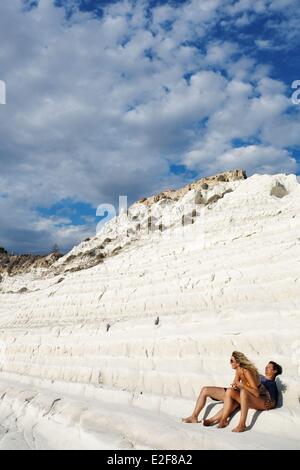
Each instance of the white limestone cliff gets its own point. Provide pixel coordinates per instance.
(113, 342)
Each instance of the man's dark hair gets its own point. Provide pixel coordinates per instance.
(277, 367)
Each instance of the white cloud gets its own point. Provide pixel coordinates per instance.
(252, 158)
(263, 43)
(219, 53)
(100, 107)
(258, 159)
(248, 112)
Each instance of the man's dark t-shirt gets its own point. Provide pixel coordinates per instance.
(271, 387)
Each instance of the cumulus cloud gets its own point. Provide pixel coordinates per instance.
(102, 106)
(255, 159)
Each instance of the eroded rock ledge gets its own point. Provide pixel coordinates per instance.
(17, 264)
(203, 183)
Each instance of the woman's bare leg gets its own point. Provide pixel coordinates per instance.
(218, 393)
(218, 416)
(247, 401)
(231, 397)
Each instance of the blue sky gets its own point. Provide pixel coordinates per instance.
(109, 98)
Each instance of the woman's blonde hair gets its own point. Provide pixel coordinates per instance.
(245, 363)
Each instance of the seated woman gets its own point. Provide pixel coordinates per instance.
(239, 395)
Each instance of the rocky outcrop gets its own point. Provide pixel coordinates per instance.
(16, 264)
(159, 213)
(279, 190)
(202, 184)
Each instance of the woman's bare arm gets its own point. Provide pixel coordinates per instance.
(236, 380)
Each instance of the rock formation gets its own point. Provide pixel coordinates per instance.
(112, 355)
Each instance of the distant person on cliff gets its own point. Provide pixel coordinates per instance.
(247, 391)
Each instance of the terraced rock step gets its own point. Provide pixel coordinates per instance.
(60, 421)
